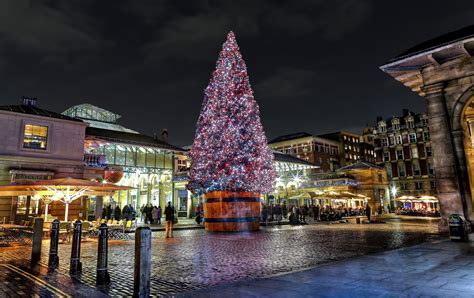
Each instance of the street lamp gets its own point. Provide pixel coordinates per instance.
(394, 191)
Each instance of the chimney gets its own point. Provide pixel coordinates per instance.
(406, 112)
(29, 101)
(164, 135)
(379, 118)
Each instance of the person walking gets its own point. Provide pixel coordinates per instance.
(160, 212)
(367, 212)
(264, 214)
(169, 217)
(155, 214)
(142, 213)
(148, 213)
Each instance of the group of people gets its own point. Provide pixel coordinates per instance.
(126, 213)
(151, 214)
(302, 214)
(274, 212)
(418, 212)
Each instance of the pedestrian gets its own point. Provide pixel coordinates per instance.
(117, 213)
(264, 214)
(367, 212)
(142, 212)
(108, 212)
(304, 213)
(284, 210)
(148, 213)
(155, 214)
(160, 212)
(125, 212)
(169, 217)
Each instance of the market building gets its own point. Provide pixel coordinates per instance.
(442, 71)
(403, 147)
(316, 150)
(125, 157)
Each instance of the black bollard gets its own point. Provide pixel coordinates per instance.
(53, 247)
(37, 240)
(142, 271)
(76, 265)
(103, 277)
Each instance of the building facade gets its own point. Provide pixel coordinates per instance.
(402, 146)
(442, 71)
(38, 144)
(352, 149)
(123, 156)
(316, 150)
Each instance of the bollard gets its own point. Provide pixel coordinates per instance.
(53, 248)
(75, 266)
(103, 277)
(37, 240)
(142, 271)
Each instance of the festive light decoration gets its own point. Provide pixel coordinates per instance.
(230, 150)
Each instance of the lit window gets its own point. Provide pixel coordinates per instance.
(35, 137)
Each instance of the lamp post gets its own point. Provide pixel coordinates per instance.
(394, 192)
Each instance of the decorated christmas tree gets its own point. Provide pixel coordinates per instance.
(230, 151)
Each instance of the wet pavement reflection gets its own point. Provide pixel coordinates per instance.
(195, 259)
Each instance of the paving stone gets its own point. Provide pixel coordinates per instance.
(195, 260)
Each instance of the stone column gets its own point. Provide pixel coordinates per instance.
(449, 194)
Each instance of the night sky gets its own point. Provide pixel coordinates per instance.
(312, 64)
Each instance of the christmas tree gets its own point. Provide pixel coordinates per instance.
(230, 150)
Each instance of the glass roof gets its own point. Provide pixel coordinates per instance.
(90, 112)
(97, 117)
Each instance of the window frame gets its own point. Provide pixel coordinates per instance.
(49, 127)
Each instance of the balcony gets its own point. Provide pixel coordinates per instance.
(94, 160)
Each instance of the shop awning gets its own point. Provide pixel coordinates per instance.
(64, 190)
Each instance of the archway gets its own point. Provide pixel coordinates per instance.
(467, 124)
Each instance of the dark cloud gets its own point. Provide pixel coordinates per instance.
(313, 63)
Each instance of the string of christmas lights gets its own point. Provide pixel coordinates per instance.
(230, 150)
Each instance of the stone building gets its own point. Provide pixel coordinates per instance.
(38, 144)
(316, 150)
(351, 148)
(372, 182)
(442, 71)
(402, 146)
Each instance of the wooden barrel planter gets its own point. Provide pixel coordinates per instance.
(226, 211)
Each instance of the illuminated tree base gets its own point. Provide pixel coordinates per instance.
(227, 211)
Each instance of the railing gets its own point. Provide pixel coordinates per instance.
(94, 160)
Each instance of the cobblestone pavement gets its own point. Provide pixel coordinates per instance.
(194, 259)
(435, 269)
